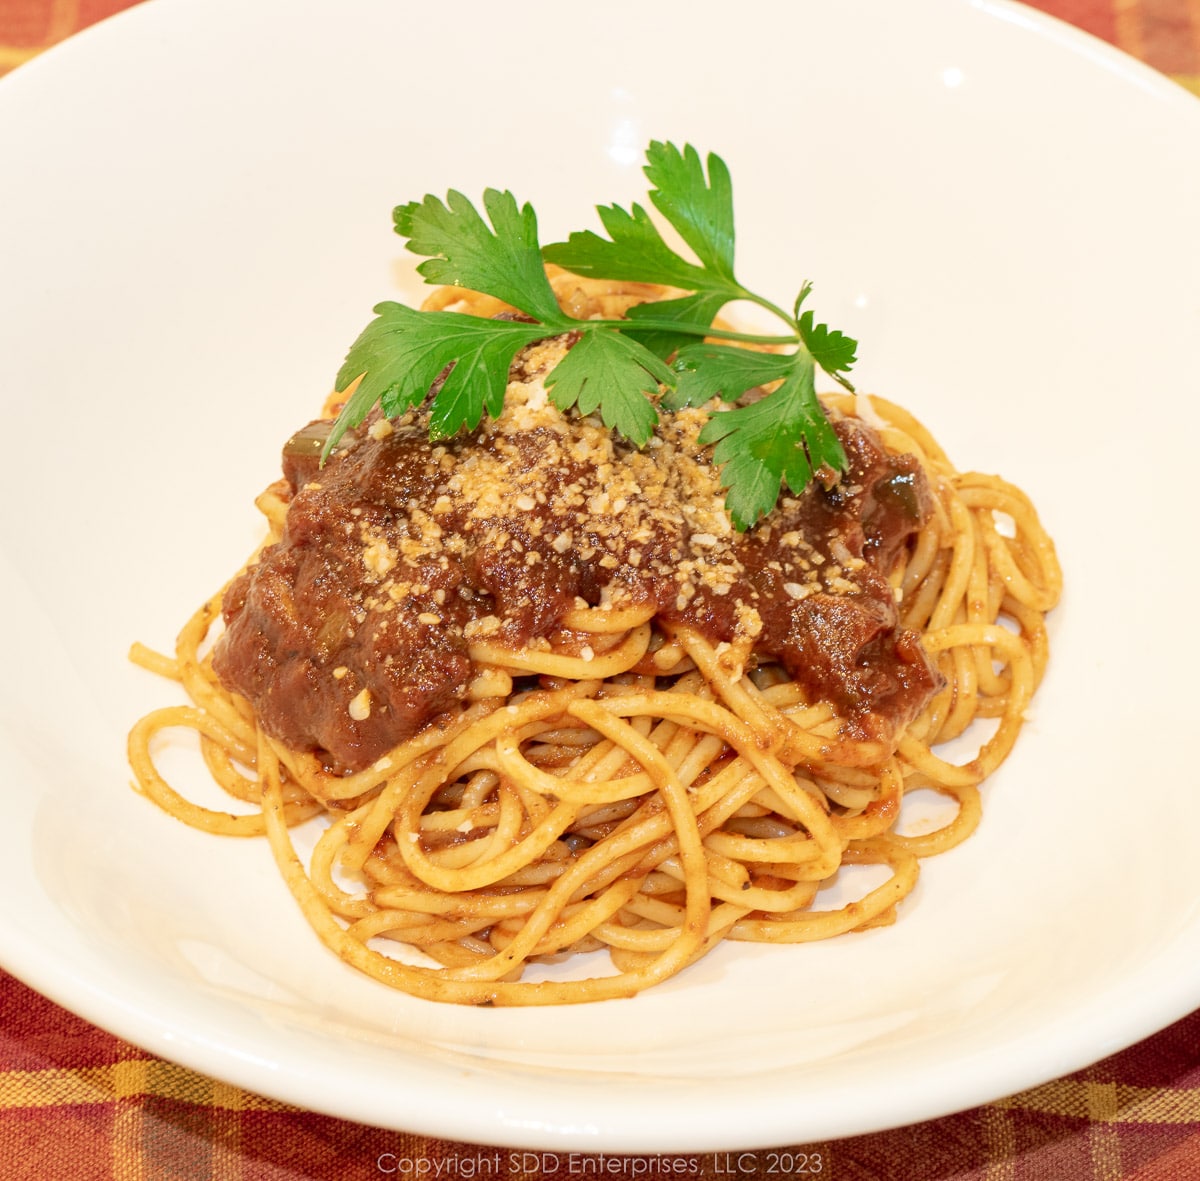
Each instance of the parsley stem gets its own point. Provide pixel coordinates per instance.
(774, 309)
(693, 329)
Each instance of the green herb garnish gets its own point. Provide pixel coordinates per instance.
(617, 366)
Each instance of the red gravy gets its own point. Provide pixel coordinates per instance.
(352, 632)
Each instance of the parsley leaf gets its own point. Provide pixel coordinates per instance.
(780, 439)
(636, 252)
(698, 207)
(464, 252)
(832, 350)
(613, 373)
(706, 371)
(402, 353)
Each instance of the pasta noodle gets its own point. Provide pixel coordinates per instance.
(644, 790)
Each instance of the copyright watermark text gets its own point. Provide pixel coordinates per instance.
(497, 1163)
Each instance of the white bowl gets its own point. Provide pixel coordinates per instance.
(197, 200)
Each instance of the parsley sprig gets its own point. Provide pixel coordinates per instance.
(667, 351)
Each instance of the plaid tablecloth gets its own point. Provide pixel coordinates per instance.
(77, 1103)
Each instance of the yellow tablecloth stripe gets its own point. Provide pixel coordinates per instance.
(1109, 1102)
(128, 1079)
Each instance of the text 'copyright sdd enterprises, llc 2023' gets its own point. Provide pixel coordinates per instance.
(495, 1164)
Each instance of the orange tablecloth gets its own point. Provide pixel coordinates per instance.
(77, 1103)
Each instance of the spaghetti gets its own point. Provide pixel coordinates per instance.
(543, 717)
